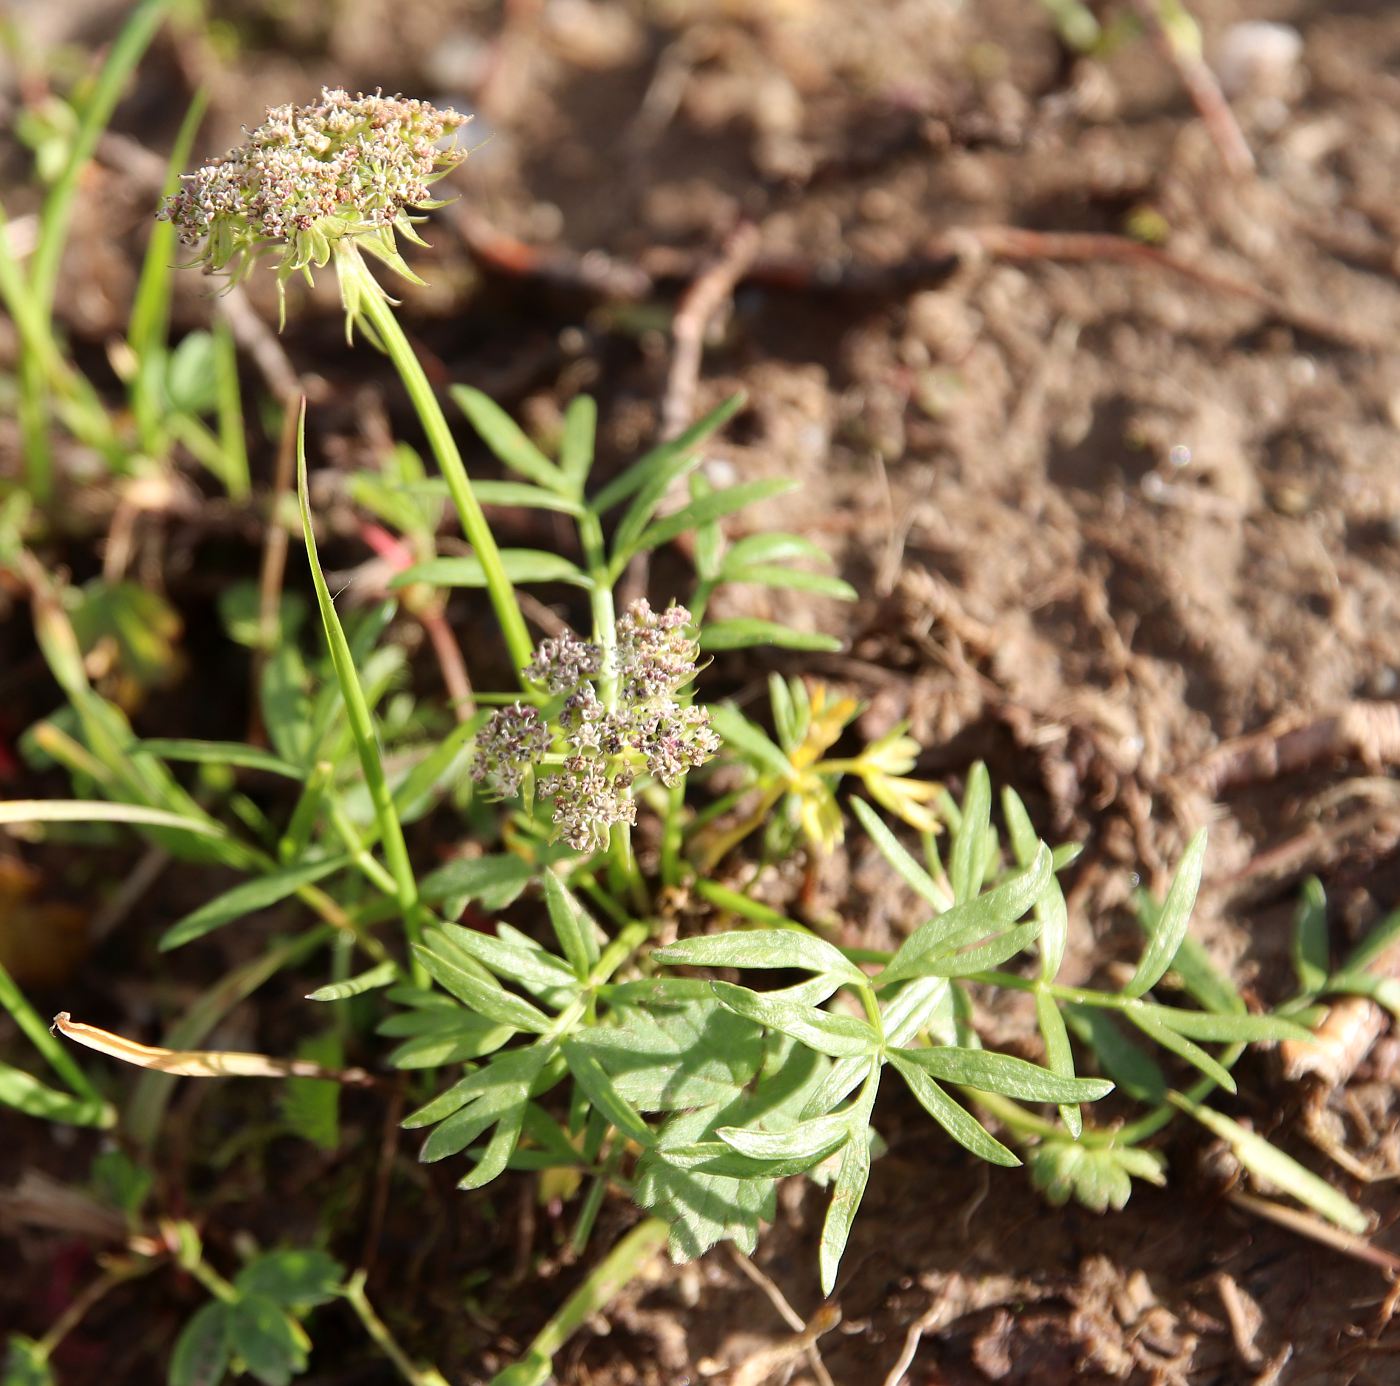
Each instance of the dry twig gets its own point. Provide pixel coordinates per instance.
(698, 308)
(1181, 51)
(1359, 730)
(1309, 1225)
(786, 1312)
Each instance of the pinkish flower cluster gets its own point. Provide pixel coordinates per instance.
(312, 175)
(647, 731)
(563, 662)
(508, 746)
(655, 651)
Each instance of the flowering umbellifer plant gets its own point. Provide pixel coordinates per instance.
(580, 1046)
(574, 1044)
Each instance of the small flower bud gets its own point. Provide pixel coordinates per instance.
(561, 664)
(655, 652)
(508, 745)
(588, 801)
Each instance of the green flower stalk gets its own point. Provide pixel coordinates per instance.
(330, 184)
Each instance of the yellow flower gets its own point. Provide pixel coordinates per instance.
(819, 813)
(828, 719)
(884, 768)
(906, 798)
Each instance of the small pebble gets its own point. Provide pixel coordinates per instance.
(1258, 58)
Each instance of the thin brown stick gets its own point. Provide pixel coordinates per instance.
(936, 1316)
(1203, 89)
(545, 617)
(1243, 1317)
(768, 1362)
(428, 611)
(273, 569)
(786, 1312)
(450, 663)
(706, 297)
(255, 337)
(1307, 1225)
(701, 303)
(388, 1149)
(143, 876)
(1018, 244)
(1359, 730)
(599, 275)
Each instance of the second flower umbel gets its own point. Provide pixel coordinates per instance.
(600, 749)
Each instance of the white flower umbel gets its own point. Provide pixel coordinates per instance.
(335, 180)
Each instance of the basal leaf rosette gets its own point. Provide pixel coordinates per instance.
(335, 180)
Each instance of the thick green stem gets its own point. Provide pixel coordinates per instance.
(600, 598)
(380, 317)
(355, 1296)
(620, 1266)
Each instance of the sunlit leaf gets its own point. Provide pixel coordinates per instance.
(1002, 1073)
(1311, 954)
(1277, 1169)
(827, 1033)
(1171, 924)
(521, 566)
(251, 896)
(762, 948)
(506, 439)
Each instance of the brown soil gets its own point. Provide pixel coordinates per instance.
(1106, 515)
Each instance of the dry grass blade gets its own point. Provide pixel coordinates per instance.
(201, 1063)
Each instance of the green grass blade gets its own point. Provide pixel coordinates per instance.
(357, 712)
(260, 893)
(1310, 949)
(227, 753)
(28, 1095)
(621, 1265)
(1171, 923)
(1273, 1167)
(58, 1058)
(150, 310)
(967, 860)
(125, 53)
(95, 811)
(56, 216)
